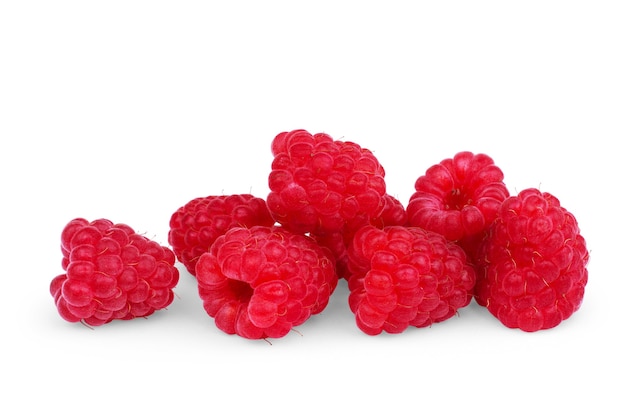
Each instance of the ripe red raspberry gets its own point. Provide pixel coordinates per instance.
(195, 226)
(458, 198)
(260, 282)
(393, 214)
(111, 273)
(406, 276)
(533, 263)
(317, 183)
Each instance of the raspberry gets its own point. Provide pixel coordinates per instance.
(260, 282)
(458, 198)
(195, 226)
(393, 214)
(111, 273)
(533, 263)
(405, 276)
(317, 184)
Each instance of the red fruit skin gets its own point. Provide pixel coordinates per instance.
(317, 184)
(458, 198)
(111, 273)
(393, 214)
(195, 226)
(404, 276)
(532, 266)
(262, 281)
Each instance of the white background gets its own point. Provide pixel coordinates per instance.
(129, 109)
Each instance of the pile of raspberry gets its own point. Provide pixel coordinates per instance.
(264, 266)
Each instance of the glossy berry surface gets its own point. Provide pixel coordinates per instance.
(260, 282)
(195, 225)
(458, 197)
(111, 273)
(406, 276)
(393, 214)
(533, 263)
(317, 183)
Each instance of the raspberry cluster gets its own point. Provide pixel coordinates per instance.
(266, 265)
(459, 198)
(529, 256)
(533, 263)
(111, 273)
(406, 276)
(316, 183)
(260, 282)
